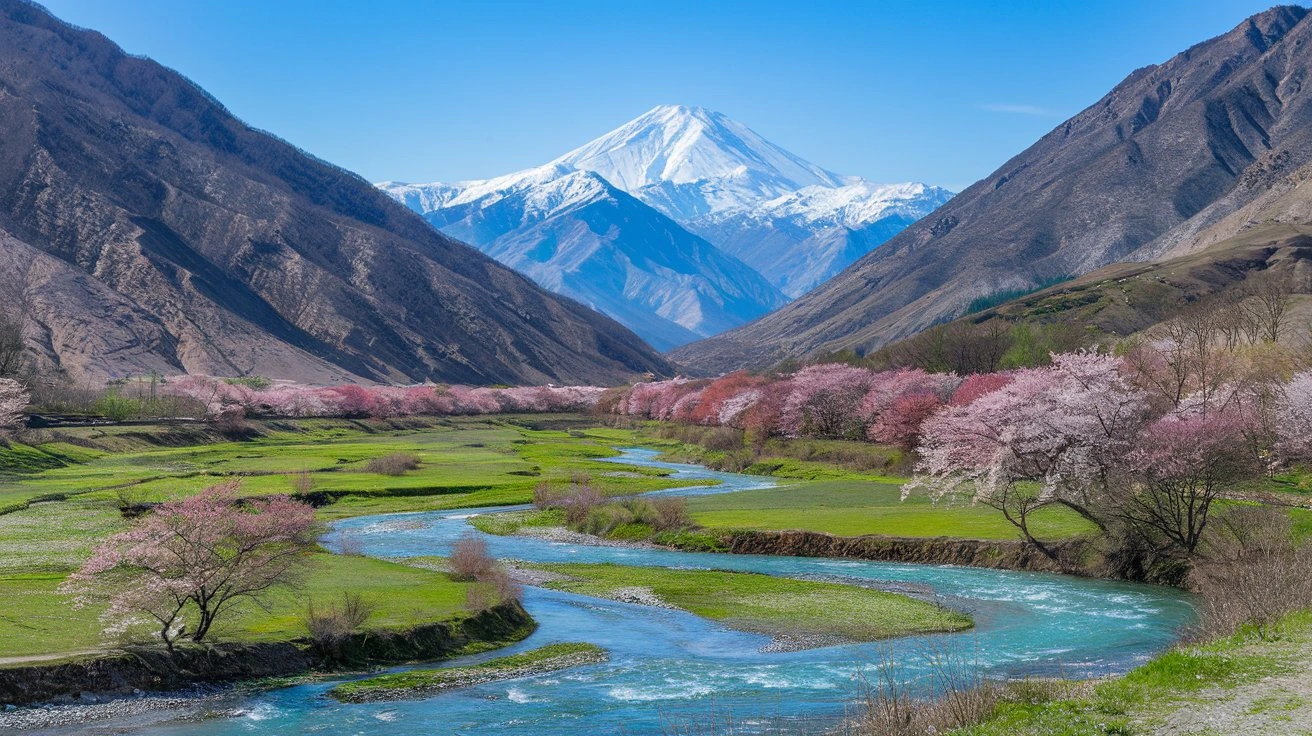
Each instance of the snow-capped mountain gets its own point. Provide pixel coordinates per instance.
(689, 162)
(792, 222)
(575, 234)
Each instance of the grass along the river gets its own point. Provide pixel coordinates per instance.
(1239, 684)
(421, 683)
(853, 508)
(463, 462)
(36, 619)
(799, 613)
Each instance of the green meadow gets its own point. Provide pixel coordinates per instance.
(763, 603)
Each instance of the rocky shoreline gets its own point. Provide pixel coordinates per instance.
(470, 676)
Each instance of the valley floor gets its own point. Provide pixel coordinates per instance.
(62, 494)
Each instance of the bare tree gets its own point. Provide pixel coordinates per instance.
(1268, 305)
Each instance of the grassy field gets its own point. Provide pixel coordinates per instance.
(36, 619)
(464, 462)
(90, 472)
(423, 682)
(856, 507)
(766, 604)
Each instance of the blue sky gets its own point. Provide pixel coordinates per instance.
(438, 91)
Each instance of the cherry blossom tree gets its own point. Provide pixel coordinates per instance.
(1293, 425)
(898, 402)
(1062, 429)
(14, 399)
(825, 401)
(977, 385)
(1178, 469)
(190, 561)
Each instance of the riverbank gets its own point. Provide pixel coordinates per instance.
(1076, 556)
(138, 669)
(1239, 685)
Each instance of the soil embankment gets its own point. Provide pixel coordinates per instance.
(1072, 557)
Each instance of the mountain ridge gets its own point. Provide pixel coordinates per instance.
(204, 245)
(1171, 142)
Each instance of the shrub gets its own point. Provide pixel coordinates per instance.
(331, 626)
(398, 463)
(602, 519)
(116, 407)
(671, 513)
(302, 483)
(962, 696)
(469, 559)
(579, 503)
(1255, 573)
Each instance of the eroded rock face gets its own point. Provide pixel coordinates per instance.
(165, 234)
(1171, 152)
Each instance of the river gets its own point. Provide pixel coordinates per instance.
(670, 670)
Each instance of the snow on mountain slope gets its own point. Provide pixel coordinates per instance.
(799, 240)
(675, 149)
(575, 234)
(793, 222)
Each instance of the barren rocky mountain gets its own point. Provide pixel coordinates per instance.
(145, 228)
(1177, 157)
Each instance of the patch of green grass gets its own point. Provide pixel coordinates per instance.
(767, 604)
(464, 462)
(35, 618)
(1121, 706)
(509, 522)
(422, 682)
(854, 508)
(401, 597)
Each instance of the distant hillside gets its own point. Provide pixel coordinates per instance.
(1161, 166)
(144, 228)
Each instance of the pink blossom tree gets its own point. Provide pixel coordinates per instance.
(14, 399)
(825, 401)
(1178, 469)
(898, 402)
(977, 385)
(1061, 430)
(197, 558)
(1293, 425)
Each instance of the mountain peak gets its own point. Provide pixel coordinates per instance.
(681, 144)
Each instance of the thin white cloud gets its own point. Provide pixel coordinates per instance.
(1019, 109)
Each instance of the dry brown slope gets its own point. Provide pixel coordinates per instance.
(179, 238)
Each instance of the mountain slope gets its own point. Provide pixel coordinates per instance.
(156, 231)
(1172, 150)
(791, 221)
(575, 234)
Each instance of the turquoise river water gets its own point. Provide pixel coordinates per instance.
(672, 672)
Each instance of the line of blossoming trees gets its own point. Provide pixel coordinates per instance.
(223, 399)
(1141, 445)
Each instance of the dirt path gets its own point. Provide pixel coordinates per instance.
(34, 658)
(1277, 705)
